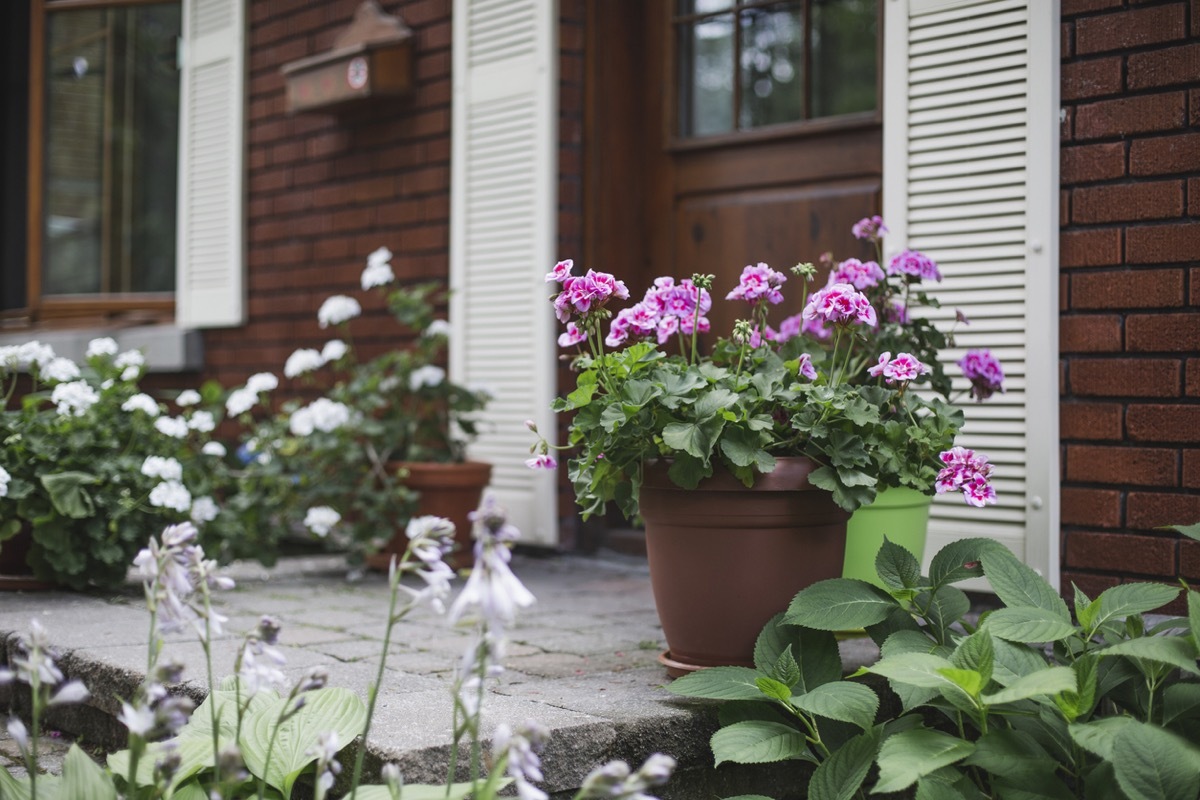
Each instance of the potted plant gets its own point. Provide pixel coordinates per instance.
(388, 437)
(90, 465)
(743, 462)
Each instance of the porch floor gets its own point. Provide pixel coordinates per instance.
(582, 661)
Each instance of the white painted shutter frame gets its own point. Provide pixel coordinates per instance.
(502, 239)
(210, 246)
(971, 141)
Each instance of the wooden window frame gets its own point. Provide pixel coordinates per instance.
(142, 307)
(785, 130)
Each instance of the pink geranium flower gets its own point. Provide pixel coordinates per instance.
(968, 472)
(860, 275)
(806, 367)
(904, 368)
(840, 304)
(573, 336)
(561, 271)
(869, 228)
(916, 265)
(983, 370)
(758, 282)
(541, 461)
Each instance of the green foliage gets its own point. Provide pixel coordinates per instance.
(989, 709)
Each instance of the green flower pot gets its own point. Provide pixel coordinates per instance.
(901, 514)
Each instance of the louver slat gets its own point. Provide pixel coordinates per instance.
(959, 184)
(502, 239)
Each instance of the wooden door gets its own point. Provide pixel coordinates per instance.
(672, 191)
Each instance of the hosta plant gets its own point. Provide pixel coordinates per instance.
(1036, 699)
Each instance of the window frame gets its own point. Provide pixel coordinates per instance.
(148, 307)
(676, 142)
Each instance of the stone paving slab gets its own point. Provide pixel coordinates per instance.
(581, 661)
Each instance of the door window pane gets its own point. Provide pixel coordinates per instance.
(706, 58)
(843, 56)
(110, 143)
(772, 65)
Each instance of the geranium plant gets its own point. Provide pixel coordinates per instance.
(644, 390)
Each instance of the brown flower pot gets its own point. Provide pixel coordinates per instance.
(725, 558)
(15, 574)
(446, 490)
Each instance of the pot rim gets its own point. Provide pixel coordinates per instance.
(790, 475)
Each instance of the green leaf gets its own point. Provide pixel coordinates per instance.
(929, 788)
(776, 690)
(1193, 601)
(786, 670)
(585, 389)
(719, 683)
(839, 776)
(1190, 531)
(1085, 609)
(1028, 624)
(694, 438)
(67, 494)
(946, 607)
(1048, 681)
(917, 669)
(1181, 701)
(418, 791)
(1099, 737)
(1153, 764)
(909, 756)
(1079, 702)
(49, 787)
(844, 701)
(687, 471)
(1012, 754)
(713, 401)
(1018, 585)
(896, 567)
(1130, 598)
(970, 681)
(82, 777)
(755, 742)
(1015, 660)
(959, 561)
(744, 448)
(839, 604)
(976, 652)
(1175, 651)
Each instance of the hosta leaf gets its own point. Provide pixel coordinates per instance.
(417, 791)
(896, 567)
(1131, 598)
(844, 701)
(82, 778)
(908, 756)
(49, 787)
(1153, 764)
(839, 604)
(840, 775)
(1175, 651)
(1045, 682)
(755, 742)
(1018, 585)
(1027, 624)
(719, 683)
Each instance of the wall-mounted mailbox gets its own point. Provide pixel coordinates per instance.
(372, 57)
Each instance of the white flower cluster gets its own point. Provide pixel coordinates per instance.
(175, 427)
(204, 509)
(168, 469)
(338, 309)
(60, 370)
(102, 347)
(439, 327)
(4, 481)
(188, 397)
(74, 398)
(25, 356)
(213, 449)
(322, 414)
(142, 402)
(321, 519)
(171, 494)
(202, 421)
(306, 359)
(428, 375)
(131, 363)
(242, 400)
(378, 271)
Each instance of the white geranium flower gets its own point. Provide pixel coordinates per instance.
(240, 401)
(428, 375)
(167, 469)
(300, 423)
(321, 519)
(103, 346)
(202, 421)
(204, 509)
(188, 397)
(262, 382)
(213, 449)
(4, 479)
(338, 309)
(74, 398)
(131, 374)
(175, 427)
(130, 358)
(171, 494)
(60, 369)
(33, 354)
(334, 350)
(303, 360)
(378, 271)
(439, 327)
(322, 414)
(142, 402)
(8, 356)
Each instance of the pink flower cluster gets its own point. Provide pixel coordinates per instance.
(758, 282)
(914, 264)
(969, 473)
(860, 275)
(869, 228)
(667, 308)
(901, 369)
(840, 304)
(983, 370)
(583, 293)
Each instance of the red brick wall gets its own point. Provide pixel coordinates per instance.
(1130, 259)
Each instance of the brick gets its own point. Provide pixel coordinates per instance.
(1099, 508)
(1089, 334)
(1093, 78)
(1090, 248)
(1168, 67)
(1125, 377)
(1067, 40)
(1128, 202)
(1121, 117)
(1135, 466)
(1163, 155)
(1162, 333)
(1129, 29)
(1148, 510)
(1195, 283)
(1123, 552)
(1159, 244)
(1090, 421)
(1089, 584)
(1191, 469)
(1073, 7)
(1092, 162)
(1194, 201)
(1153, 288)
(1189, 559)
(1192, 388)
(1163, 423)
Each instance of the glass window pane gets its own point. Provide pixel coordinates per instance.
(844, 56)
(706, 77)
(112, 127)
(772, 65)
(688, 7)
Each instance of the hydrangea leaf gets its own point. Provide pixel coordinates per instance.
(909, 756)
(758, 742)
(815, 653)
(1012, 754)
(844, 701)
(1099, 737)
(839, 776)
(719, 683)
(1174, 651)
(1154, 764)
(1130, 598)
(839, 604)
(896, 567)
(959, 561)
(1046, 682)
(1018, 585)
(977, 652)
(1025, 624)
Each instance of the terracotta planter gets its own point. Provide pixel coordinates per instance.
(446, 490)
(15, 574)
(724, 559)
(899, 513)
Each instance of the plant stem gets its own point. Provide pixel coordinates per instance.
(212, 696)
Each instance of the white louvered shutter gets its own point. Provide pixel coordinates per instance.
(971, 178)
(502, 240)
(210, 283)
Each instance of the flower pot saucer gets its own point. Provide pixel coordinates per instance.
(676, 669)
